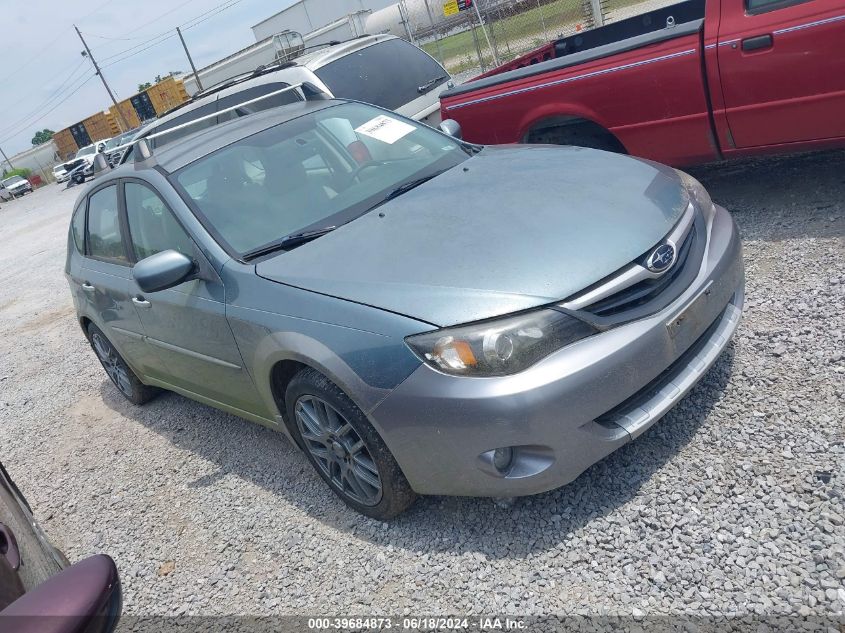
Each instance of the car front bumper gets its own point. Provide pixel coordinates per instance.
(575, 406)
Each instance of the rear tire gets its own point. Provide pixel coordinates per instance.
(127, 383)
(580, 135)
(344, 448)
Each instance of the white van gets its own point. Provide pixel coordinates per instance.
(380, 69)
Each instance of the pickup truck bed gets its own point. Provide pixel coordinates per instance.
(685, 84)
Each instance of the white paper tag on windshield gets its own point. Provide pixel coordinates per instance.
(385, 129)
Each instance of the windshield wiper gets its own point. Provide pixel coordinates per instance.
(290, 241)
(404, 188)
(411, 184)
(429, 84)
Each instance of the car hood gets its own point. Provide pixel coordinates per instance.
(511, 228)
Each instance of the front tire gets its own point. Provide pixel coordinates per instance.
(344, 448)
(117, 370)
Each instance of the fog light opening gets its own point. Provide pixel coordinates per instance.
(503, 459)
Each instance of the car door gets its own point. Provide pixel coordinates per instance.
(782, 69)
(187, 324)
(105, 275)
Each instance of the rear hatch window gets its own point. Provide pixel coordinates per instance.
(388, 74)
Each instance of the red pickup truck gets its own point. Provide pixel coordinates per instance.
(686, 84)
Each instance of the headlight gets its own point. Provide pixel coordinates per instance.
(698, 193)
(498, 347)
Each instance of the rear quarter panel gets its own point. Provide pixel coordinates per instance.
(652, 98)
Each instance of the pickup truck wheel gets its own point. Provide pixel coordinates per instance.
(344, 448)
(580, 135)
(118, 371)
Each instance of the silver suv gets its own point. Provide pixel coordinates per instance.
(383, 70)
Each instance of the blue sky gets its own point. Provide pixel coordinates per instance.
(41, 53)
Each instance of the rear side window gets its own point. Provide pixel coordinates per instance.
(252, 93)
(388, 74)
(105, 240)
(193, 115)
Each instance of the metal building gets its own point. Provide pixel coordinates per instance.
(306, 16)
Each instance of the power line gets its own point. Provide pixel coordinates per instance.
(125, 127)
(163, 37)
(77, 89)
(55, 95)
(137, 52)
(67, 80)
(145, 24)
(221, 7)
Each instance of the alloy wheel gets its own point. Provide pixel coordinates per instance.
(111, 362)
(338, 450)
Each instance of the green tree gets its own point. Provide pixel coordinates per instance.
(42, 137)
(144, 86)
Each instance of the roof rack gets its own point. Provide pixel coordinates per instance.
(308, 93)
(270, 67)
(263, 69)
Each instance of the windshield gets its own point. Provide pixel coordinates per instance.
(120, 140)
(13, 181)
(389, 74)
(90, 149)
(319, 170)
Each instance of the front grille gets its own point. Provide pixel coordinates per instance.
(648, 289)
(634, 292)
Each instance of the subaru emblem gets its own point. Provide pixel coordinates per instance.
(661, 258)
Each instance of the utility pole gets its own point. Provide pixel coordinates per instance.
(11, 166)
(126, 127)
(190, 61)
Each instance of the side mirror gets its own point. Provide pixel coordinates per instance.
(162, 271)
(100, 164)
(451, 127)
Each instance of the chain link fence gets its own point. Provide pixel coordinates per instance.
(491, 32)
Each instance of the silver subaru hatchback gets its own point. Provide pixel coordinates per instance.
(418, 314)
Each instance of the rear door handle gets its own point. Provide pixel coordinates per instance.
(88, 287)
(141, 302)
(758, 42)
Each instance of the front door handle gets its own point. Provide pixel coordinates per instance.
(88, 287)
(758, 42)
(141, 302)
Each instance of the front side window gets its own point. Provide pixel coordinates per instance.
(152, 227)
(763, 6)
(105, 239)
(388, 74)
(321, 169)
(77, 228)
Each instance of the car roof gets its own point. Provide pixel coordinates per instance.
(321, 57)
(188, 149)
(293, 71)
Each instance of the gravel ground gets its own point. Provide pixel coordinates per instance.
(731, 504)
